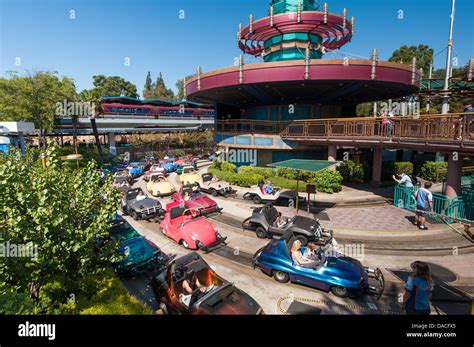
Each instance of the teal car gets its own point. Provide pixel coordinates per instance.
(141, 256)
(180, 168)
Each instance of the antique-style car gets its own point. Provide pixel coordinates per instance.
(331, 271)
(140, 206)
(189, 228)
(184, 163)
(122, 175)
(135, 169)
(154, 169)
(141, 256)
(283, 197)
(267, 222)
(189, 176)
(216, 295)
(169, 165)
(209, 184)
(194, 199)
(159, 185)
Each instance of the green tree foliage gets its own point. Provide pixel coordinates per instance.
(34, 97)
(180, 87)
(434, 171)
(351, 172)
(113, 86)
(422, 53)
(62, 211)
(157, 90)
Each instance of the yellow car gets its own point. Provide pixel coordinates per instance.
(189, 176)
(159, 185)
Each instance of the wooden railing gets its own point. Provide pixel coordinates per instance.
(456, 127)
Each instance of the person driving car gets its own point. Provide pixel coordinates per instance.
(279, 221)
(141, 196)
(189, 295)
(298, 258)
(269, 188)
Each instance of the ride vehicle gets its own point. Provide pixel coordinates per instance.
(183, 164)
(212, 185)
(189, 176)
(192, 197)
(141, 208)
(159, 186)
(122, 175)
(135, 169)
(189, 228)
(266, 223)
(221, 296)
(145, 165)
(140, 256)
(169, 165)
(154, 169)
(282, 197)
(332, 271)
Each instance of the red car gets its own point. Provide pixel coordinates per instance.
(189, 228)
(220, 296)
(195, 200)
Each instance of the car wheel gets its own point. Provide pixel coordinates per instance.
(256, 199)
(261, 233)
(158, 194)
(135, 215)
(213, 192)
(281, 276)
(302, 239)
(163, 231)
(341, 292)
(185, 244)
(124, 211)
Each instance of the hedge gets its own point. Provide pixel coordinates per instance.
(239, 179)
(434, 171)
(351, 172)
(328, 181)
(405, 167)
(265, 172)
(287, 184)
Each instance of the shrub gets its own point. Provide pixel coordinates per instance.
(351, 172)
(265, 172)
(434, 171)
(405, 167)
(244, 179)
(328, 181)
(228, 167)
(286, 173)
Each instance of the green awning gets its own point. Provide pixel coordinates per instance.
(305, 165)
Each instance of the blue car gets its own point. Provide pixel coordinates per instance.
(170, 166)
(343, 276)
(135, 169)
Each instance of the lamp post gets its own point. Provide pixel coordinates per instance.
(445, 106)
(43, 160)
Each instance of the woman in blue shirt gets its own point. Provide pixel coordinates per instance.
(418, 290)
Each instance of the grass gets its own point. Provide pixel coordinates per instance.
(287, 184)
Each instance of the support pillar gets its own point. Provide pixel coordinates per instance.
(453, 180)
(21, 142)
(332, 155)
(112, 146)
(377, 167)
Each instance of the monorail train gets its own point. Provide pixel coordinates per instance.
(156, 111)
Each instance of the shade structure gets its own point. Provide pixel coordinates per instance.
(305, 165)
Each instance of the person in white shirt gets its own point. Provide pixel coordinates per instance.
(141, 196)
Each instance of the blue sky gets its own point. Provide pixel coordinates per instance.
(152, 35)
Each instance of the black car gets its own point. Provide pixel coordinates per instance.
(264, 221)
(141, 208)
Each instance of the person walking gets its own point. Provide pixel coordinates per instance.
(424, 203)
(418, 290)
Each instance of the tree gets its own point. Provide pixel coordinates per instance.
(114, 86)
(158, 89)
(34, 98)
(61, 212)
(148, 88)
(180, 86)
(422, 53)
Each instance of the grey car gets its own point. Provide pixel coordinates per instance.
(141, 208)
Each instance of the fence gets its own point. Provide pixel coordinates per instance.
(460, 207)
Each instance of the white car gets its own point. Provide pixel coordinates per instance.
(282, 197)
(212, 185)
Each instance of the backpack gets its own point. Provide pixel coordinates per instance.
(414, 179)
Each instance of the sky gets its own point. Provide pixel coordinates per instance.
(128, 38)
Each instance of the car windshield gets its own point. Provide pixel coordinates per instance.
(215, 296)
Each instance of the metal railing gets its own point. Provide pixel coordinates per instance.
(455, 127)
